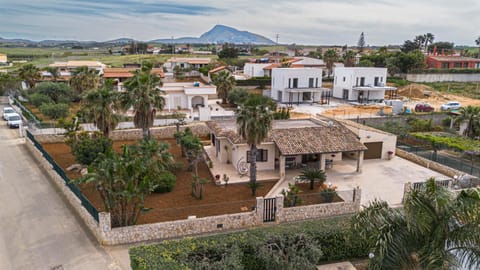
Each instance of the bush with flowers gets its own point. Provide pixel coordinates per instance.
(328, 192)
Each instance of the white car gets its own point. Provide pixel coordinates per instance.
(14, 120)
(451, 105)
(7, 111)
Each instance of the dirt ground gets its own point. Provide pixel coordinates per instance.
(418, 93)
(178, 204)
(349, 111)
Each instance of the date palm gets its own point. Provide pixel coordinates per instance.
(143, 94)
(477, 41)
(30, 74)
(349, 59)
(330, 57)
(84, 79)
(99, 106)
(54, 72)
(313, 175)
(436, 230)
(471, 116)
(254, 121)
(225, 83)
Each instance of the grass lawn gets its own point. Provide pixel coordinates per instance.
(178, 204)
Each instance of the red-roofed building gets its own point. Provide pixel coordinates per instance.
(452, 62)
(120, 75)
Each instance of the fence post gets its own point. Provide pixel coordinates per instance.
(407, 187)
(357, 197)
(259, 210)
(279, 208)
(105, 224)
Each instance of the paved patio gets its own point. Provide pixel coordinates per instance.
(383, 179)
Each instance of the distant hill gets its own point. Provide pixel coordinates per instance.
(222, 34)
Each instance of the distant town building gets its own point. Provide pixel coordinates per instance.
(3, 58)
(361, 84)
(66, 68)
(452, 61)
(194, 63)
(120, 75)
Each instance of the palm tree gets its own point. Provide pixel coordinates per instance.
(477, 41)
(84, 79)
(99, 106)
(349, 59)
(330, 57)
(429, 37)
(54, 72)
(254, 120)
(470, 115)
(30, 74)
(313, 175)
(144, 96)
(436, 230)
(225, 83)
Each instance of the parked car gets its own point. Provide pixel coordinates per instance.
(14, 120)
(7, 111)
(451, 105)
(424, 107)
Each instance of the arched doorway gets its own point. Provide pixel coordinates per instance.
(198, 101)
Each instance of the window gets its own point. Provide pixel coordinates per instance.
(381, 79)
(289, 83)
(457, 65)
(262, 155)
(344, 78)
(362, 81)
(375, 81)
(295, 83)
(310, 82)
(356, 84)
(465, 64)
(445, 65)
(316, 82)
(306, 96)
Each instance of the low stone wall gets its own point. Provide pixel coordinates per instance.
(297, 213)
(71, 198)
(178, 228)
(199, 129)
(445, 170)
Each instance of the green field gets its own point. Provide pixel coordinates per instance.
(471, 89)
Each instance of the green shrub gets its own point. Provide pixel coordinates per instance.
(54, 111)
(59, 92)
(306, 244)
(86, 147)
(38, 99)
(166, 182)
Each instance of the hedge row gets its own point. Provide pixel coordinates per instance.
(454, 142)
(323, 240)
(441, 70)
(256, 81)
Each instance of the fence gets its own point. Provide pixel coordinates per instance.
(85, 202)
(457, 163)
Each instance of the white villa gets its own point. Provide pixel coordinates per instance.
(194, 63)
(120, 75)
(72, 65)
(361, 84)
(187, 95)
(264, 68)
(291, 144)
(298, 85)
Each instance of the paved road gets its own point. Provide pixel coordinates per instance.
(37, 229)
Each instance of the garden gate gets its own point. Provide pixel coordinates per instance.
(269, 209)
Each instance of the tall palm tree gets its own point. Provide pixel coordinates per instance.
(349, 59)
(143, 94)
(225, 83)
(30, 74)
(254, 121)
(313, 175)
(429, 37)
(470, 115)
(477, 41)
(84, 79)
(436, 230)
(330, 56)
(99, 106)
(54, 72)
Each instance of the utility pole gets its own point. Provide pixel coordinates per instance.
(276, 47)
(173, 47)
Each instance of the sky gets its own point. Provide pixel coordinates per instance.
(309, 22)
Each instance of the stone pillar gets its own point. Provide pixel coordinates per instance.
(322, 162)
(407, 187)
(105, 224)
(282, 167)
(359, 161)
(279, 208)
(259, 210)
(357, 197)
(189, 104)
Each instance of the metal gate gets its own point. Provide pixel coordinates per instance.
(269, 209)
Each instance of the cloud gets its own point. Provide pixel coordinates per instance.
(302, 22)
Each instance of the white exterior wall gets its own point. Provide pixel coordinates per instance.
(351, 74)
(280, 78)
(174, 99)
(389, 141)
(255, 69)
(241, 152)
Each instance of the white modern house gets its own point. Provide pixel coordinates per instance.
(361, 84)
(264, 68)
(255, 69)
(298, 85)
(187, 95)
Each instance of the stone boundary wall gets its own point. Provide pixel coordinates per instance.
(444, 77)
(297, 213)
(429, 164)
(199, 129)
(71, 198)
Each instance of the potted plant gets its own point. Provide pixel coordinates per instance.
(328, 192)
(390, 154)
